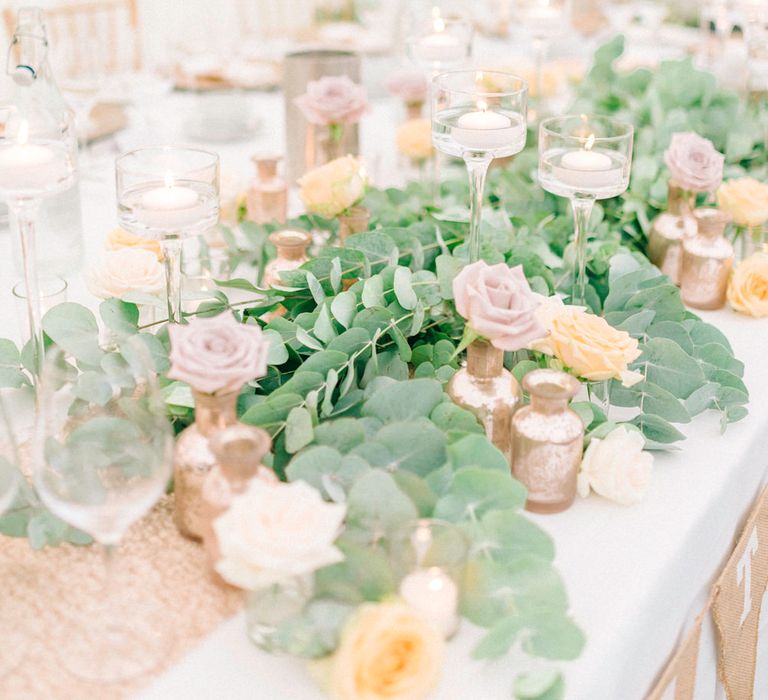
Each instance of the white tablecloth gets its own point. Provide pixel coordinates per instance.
(636, 576)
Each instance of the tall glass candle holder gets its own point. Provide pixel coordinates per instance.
(437, 40)
(584, 158)
(37, 160)
(478, 116)
(168, 193)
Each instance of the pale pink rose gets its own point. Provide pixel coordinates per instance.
(333, 100)
(498, 304)
(693, 162)
(217, 354)
(410, 86)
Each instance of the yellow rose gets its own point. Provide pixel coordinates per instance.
(745, 199)
(388, 651)
(591, 347)
(748, 286)
(333, 187)
(120, 238)
(414, 139)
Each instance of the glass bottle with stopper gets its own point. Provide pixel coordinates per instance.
(267, 197)
(291, 247)
(584, 158)
(668, 231)
(706, 261)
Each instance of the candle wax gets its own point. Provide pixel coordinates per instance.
(588, 170)
(435, 595)
(440, 46)
(169, 208)
(585, 160)
(26, 166)
(483, 130)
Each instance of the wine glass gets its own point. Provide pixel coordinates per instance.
(584, 158)
(38, 157)
(478, 116)
(102, 459)
(12, 644)
(543, 21)
(168, 193)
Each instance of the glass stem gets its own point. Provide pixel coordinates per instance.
(172, 259)
(582, 210)
(26, 216)
(539, 47)
(477, 167)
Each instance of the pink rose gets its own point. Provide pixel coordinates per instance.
(217, 354)
(693, 162)
(333, 100)
(498, 304)
(409, 85)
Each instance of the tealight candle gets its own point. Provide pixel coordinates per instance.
(29, 166)
(483, 129)
(435, 595)
(587, 169)
(170, 207)
(440, 45)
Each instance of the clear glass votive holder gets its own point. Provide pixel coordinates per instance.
(53, 291)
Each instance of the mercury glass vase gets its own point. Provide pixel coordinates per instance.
(548, 440)
(669, 229)
(706, 262)
(291, 247)
(193, 459)
(353, 220)
(238, 451)
(489, 391)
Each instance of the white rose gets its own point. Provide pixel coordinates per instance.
(126, 270)
(616, 467)
(277, 531)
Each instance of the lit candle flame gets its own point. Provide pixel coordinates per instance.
(437, 582)
(23, 132)
(590, 142)
(482, 106)
(439, 25)
(169, 180)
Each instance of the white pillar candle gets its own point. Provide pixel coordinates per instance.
(29, 166)
(483, 129)
(170, 207)
(433, 593)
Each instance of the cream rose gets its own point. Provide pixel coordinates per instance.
(388, 651)
(276, 531)
(616, 467)
(748, 286)
(126, 270)
(414, 139)
(497, 304)
(745, 199)
(120, 238)
(217, 354)
(333, 187)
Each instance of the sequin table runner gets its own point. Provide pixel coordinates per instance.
(49, 586)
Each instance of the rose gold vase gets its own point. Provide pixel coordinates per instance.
(548, 439)
(668, 230)
(707, 261)
(291, 247)
(193, 459)
(267, 197)
(354, 220)
(238, 451)
(489, 391)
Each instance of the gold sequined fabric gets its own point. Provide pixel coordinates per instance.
(48, 587)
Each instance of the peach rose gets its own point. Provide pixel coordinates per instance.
(120, 238)
(616, 467)
(745, 199)
(748, 286)
(388, 651)
(333, 187)
(497, 304)
(592, 348)
(414, 139)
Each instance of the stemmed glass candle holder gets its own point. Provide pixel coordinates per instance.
(37, 159)
(584, 158)
(437, 41)
(478, 116)
(168, 193)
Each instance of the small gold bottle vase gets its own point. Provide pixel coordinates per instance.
(489, 391)
(707, 261)
(668, 230)
(353, 220)
(267, 197)
(548, 439)
(291, 247)
(238, 451)
(193, 458)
